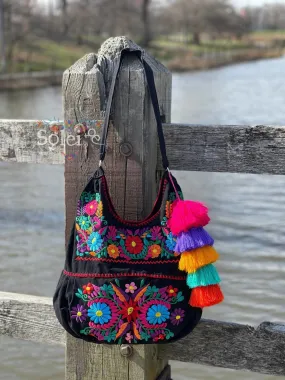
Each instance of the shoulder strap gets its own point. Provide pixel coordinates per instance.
(154, 100)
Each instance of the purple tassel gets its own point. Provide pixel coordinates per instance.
(192, 239)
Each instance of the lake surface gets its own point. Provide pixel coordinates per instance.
(248, 213)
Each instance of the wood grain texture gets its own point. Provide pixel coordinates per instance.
(236, 149)
(30, 318)
(214, 343)
(232, 345)
(132, 180)
(21, 141)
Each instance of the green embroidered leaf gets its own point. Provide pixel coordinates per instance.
(142, 283)
(79, 290)
(85, 331)
(78, 295)
(120, 340)
(169, 335)
(117, 282)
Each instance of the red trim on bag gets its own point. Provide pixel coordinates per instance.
(130, 222)
(126, 261)
(116, 275)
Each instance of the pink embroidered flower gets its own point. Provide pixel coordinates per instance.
(96, 223)
(91, 207)
(129, 337)
(130, 288)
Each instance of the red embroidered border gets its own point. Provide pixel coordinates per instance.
(126, 261)
(116, 275)
(130, 222)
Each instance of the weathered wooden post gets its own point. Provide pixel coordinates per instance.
(131, 161)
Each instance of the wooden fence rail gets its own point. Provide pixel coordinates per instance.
(133, 164)
(237, 149)
(215, 343)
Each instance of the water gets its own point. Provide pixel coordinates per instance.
(248, 213)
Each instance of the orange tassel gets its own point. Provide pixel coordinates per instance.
(204, 296)
(190, 261)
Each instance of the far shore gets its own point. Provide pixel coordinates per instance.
(182, 63)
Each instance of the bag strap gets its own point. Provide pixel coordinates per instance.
(154, 100)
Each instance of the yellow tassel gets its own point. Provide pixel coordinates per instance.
(190, 261)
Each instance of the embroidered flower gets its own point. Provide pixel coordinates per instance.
(177, 316)
(88, 289)
(129, 337)
(154, 250)
(99, 313)
(84, 222)
(170, 242)
(161, 336)
(94, 241)
(172, 292)
(91, 208)
(79, 313)
(134, 244)
(157, 314)
(113, 251)
(130, 288)
(129, 310)
(96, 222)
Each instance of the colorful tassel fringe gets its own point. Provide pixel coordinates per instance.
(192, 239)
(187, 214)
(205, 296)
(204, 276)
(193, 260)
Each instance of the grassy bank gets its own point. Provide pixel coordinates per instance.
(42, 54)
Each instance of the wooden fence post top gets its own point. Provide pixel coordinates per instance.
(131, 170)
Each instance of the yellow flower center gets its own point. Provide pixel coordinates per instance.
(178, 317)
(130, 310)
(93, 240)
(91, 206)
(158, 314)
(171, 291)
(134, 243)
(113, 251)
(99, 313)
(88, 288)
(131, 287)
(79, 314)
(83, 222)
(154, 250)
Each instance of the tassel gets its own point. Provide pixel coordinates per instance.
(204, 276)
(191, 261)
(187, 214)
(192, 239)
(205, 296)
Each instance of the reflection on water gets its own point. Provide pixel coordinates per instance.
(248, 213)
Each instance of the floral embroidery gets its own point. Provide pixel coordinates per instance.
(96, 238)
(130, 288)
(172, 292)
(99, 313)
(139, 313)
(79, 313)
(134, 244)
(113, 251)
(177, 316)
(94, 241)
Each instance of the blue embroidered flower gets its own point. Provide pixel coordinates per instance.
(84, 222)
(99, 313)
(170, 242)
(95, 241)
(157, 314)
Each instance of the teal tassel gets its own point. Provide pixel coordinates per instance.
(204, 276)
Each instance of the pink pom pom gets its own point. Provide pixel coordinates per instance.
(187, 214)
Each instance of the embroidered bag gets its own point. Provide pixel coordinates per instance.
(136, 282)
